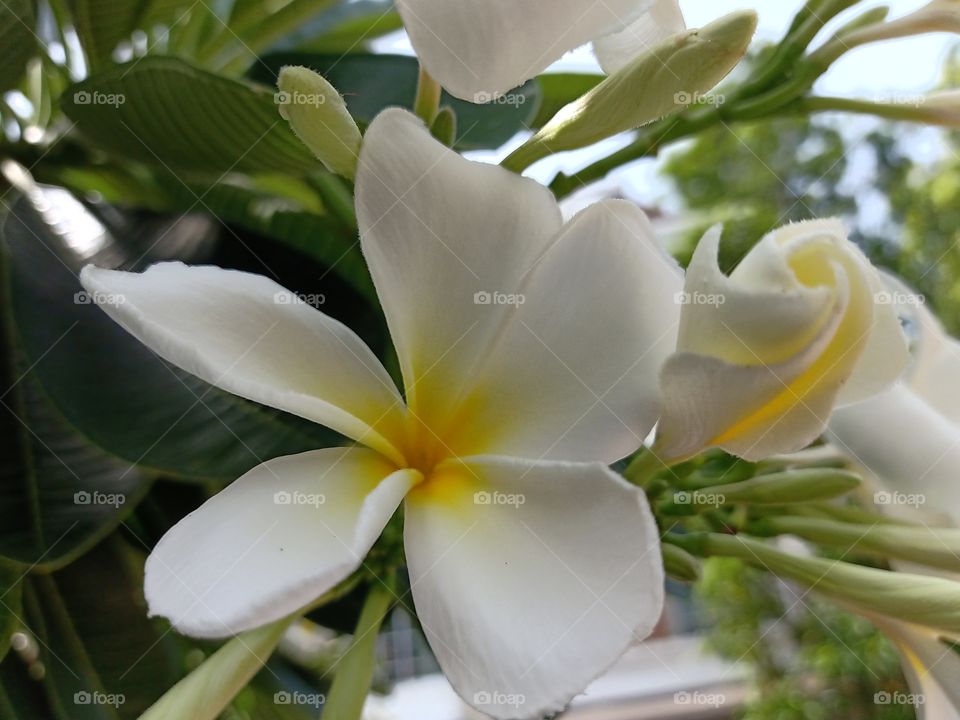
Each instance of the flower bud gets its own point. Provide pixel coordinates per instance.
(319, 117)
(764, 354)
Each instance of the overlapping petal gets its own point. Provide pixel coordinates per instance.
(530, 578)
(274, 540)
(246, 334)
(476, 49)
(572, 374)
(765, 355)
(614, 51)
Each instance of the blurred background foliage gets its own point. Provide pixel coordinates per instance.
(143, 131)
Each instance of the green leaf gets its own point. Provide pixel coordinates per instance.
(17, 40)
(97, 641)
(164, 112)
(559, 89)
(58, 495)
(350, 27)
(371, 83)
(118, 393)
(103, 24)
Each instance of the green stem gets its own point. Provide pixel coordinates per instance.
(335, 195)
(427, 103)
(644, 466)
(890, 111)
(351, 684)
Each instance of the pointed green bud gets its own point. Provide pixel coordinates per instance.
(783, 488)
(934, 547)
(444, 126)
(207, 691)
(670, 76)
(933, 602)
(679, 564)
(319, 117)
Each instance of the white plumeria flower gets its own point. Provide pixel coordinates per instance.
(478, 49)
(529, 351)
(909, 436)
(765, 354)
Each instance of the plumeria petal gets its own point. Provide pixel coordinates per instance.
(573, 374)
(935, 376)
(476, 49)
(765, 354)
(249, 336)
(663, 19)
(272, 541)
(901, 439)
(530, 578)
(441, 234)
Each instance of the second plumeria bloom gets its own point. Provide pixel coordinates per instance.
(764, 354)
(526, 371)
(480, 48)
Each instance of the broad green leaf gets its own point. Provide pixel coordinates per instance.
(559, 89)
(370, 83)
(58, 494)
(367, 22)
(17, 40)
(167, 113)
(104, 24)
(116, 392)
(104, 657)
